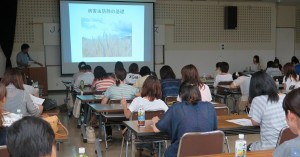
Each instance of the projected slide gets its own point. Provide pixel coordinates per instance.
(106, 33)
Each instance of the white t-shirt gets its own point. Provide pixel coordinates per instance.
(205, 94)
(131, 78)
(271, 118)
(290, 81)
(273, 72)
(87, 77)
(148, 105)
(243, 82)
(221, 78)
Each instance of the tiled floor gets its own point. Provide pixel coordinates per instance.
(70, 148)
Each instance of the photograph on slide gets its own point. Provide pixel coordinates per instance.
(106, 33)
(105, 38)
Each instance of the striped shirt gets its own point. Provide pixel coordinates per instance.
(271, 119)
(121, 91)
(102, 85)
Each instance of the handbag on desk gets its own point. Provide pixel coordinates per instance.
(55, 123)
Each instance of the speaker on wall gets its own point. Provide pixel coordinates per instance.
(230, 17)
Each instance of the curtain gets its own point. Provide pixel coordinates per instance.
(8, 16)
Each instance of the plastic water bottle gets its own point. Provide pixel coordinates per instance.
(19, 113)
(141, 116)
(277, 83)
(204, 77)
(82, 152)
(240, 146)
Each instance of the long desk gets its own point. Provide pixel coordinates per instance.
(101, 108)
(227, 127)
(85, 100)
(263, 153)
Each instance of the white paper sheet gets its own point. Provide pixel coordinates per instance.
(243, 121)
(37, 100)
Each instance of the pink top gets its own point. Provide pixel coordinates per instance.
(102, 85)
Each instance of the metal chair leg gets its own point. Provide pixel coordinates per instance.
(105, 136)
(122, 146)
(227, 144)
(126, 154)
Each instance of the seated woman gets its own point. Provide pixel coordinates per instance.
(190, 73)
(272, 70)
(133, 74)
(120, 89)
(291, 106)
(144, 72)
(150, 98)
(223, 75)
(190, 115)
(290, 78)
(102, 80)
(31, 137)
(169, 84)
(117, 92)
(243, 82)
(17, 98)
(266, 110)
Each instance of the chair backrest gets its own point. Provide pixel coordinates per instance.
(4, 151)
(117, 101)
(148, 114)
(95, 92)
(285, 135)
(201, 143)
(222, 90)
(170, 100)
(222, 110)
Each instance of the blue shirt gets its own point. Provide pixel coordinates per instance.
(183, 117)
(170, 87)
(23, 58)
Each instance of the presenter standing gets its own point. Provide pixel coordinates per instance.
(23, 58)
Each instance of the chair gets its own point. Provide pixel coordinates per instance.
(170, 100)
(222, 110)
(113, 118)
(201, 143)
(285, 135)
(4, 151)
(134, 116)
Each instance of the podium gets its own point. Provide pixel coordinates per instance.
(38, 74)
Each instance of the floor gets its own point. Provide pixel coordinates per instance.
(70, 148)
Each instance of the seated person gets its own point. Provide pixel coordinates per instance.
(272, 70)
(81, 70)
(133, 74)
(87, 77)
(290, 77)
(291, 107)
(243, 82)
(190, 115)
(150, 98)
(190, 73)
(265, 111)
(102, 80)
(144, 72)
(119, 91)
(224, 75)
(255, 66)
(169, 84)
(17, 98)
(31, 137)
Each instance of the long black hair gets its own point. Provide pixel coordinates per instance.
(263, 84)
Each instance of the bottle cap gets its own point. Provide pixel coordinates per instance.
(18, 110)
(241, 136)
(81, 150)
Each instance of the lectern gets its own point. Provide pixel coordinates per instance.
(38, 74)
